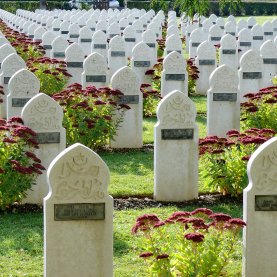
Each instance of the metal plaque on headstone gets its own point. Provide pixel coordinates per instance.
(19, 102)
(74, 35)
(6, 80)
(130, 39)
(128, 99)
(56, 29)
(48, 137)
(231, 33)
(59, 54)
(245, 43)
(268, 33)
(169, 51)
(141, 63)
(252, 75)
(151, 45)
(175, 77)
(265, 202)
(79, 211)
(96, 78)
(258, 37)
(177, 134)
(64, 32)
(118, 53)
(195, 44)
(75, 64)
(270, 61)
(229, 51)
(230, 97)
(215, 38)
(47, 47)
(99, 46)
(206, 62)
(86, 40)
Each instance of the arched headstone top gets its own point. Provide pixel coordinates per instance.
(176, 110)
(245, 35)
(126, 80)
(25, 83)
(268, 50)
(95, 62)
(262, 168)
(60, 43)
(99, 36)
(78, 173)
(175, 60)
(141, 51)
(251, 61)
(74, 52)
(228, 41)
(43, 113)
(117, 43)
(230, 77)
(85, 32)
(6, 50)
(12, 64)
(206, 50)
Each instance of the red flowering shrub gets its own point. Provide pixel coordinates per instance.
(89, 114)
(260, 110)
(19, 166)
(223, 160)
(187, 242)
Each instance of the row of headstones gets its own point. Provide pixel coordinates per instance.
(78, 206)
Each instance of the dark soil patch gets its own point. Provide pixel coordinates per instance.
(204, 200)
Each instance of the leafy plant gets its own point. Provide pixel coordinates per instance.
(223, 160)
(89, 114)
(19, 166)
(52, 74)
(260, 111)
(197, 243)
(158, 5)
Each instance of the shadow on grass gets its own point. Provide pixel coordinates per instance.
(120, 247)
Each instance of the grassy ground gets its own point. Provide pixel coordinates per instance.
(21, 242)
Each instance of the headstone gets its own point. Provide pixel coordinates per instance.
(223, 106)
(244, 41)
(206, 25)
(220, 22)
(78, 216)
(64, 29)
(250, 73)
(268, 53)
(189, 29)
(129, 134)
(56, 26)
(260, 213)
(196, 38)
(102, 26)
(215, 34)
(85, 39)
(251, 21)
(174, 75)
(228, 51)
(138, 27)
(176, 149)
(99, 44)
(113, 30)
(31, 30)
(74, 57)
(91, 23)
(23, 85)
(95, 71)
(10, 65)
(117, 54)
(59, 45)
(230, 28)
(206, 63)
(173, 43)
(47, 40)
(257, 37)
(5, 51)
(241, 25)
(149, 37)
(73, 32)
(130, 40)
(268, 30)
(44, 116)
(141, 61)
(38, 33)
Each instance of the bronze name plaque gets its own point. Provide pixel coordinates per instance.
(130, 39)
(252, 75)
(175, 77)
(75, 64)
(59, 54)
(6, 80)
(117, 53)
(76, 211)
(64, 32)
(177, 134)
(49, 137)
(230, 97)
(215, 38)
(195, 44)
(19, 102)
(151, 45)
(265, 202)
(268, 33)
(258, 37)
(74, 35)
(206, 62)
(229, 51)
(56, 29)
(245, 43)
(99, 46)
(86, 40)
(96, 78)
(128, 99)
(141, 63)
(47, 47)
(270, 61)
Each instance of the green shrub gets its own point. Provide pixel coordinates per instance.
(197, 243)
(89, 114)
(19, 166)
(223, 160)
(260, 111)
